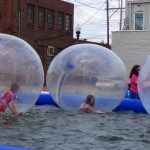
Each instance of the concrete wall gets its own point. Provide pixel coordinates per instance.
(131, 46)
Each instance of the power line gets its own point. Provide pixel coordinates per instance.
(87, 18)
(88, 5)
(93, 15)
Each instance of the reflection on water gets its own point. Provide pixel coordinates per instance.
(7, 120)
(47, 127)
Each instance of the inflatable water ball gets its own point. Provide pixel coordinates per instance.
(144, 84)
(85, 69)
(20, 65)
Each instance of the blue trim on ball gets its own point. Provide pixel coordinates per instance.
(126, 105)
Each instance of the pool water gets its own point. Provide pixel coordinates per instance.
(50, 128)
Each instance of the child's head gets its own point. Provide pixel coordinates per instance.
(90, 100)
(135, 70)
(14, 87)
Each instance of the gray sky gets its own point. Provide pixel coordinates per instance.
(91, 16)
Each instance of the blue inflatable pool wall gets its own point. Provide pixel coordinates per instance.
(126, 105)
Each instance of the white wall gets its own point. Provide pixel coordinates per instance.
(131, 46)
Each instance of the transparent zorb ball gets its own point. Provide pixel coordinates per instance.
(144, 84)
(85, 69)
(19, 63)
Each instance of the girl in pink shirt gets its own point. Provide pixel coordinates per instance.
(8, 99)
(133, 82)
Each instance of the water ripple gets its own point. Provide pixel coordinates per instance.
(45, 128)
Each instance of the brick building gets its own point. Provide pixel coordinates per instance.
(46, 25)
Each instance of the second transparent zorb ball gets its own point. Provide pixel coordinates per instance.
(84, 69)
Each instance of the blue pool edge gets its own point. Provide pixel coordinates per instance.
(126, 105)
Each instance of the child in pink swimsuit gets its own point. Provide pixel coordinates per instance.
(7, 97)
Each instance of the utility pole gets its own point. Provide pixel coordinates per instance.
(121, 3)
(107, 12)
(19, 18)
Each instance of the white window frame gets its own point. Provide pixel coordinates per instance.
(68, 22)
(50, 51)
(139, 12)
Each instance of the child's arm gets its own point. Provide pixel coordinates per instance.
(12, 107)
(87, 109)
(99, 111)
(90, 109)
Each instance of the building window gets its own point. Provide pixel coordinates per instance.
(60, 21)
(50, 19)
(50, 51)
(50, 55)
(41, 16)
(68, 22)
(139, 21)
(30, 14)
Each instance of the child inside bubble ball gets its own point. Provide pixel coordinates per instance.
(88, 106)
(7, 99)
